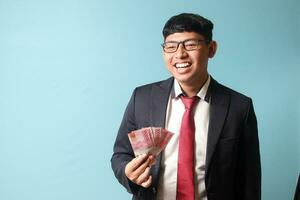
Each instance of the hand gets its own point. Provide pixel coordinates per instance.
(138, 170)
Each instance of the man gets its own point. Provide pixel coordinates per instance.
(214, 153)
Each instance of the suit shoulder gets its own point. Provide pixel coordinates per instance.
(235, 95)
(239, 103)
(149, 86)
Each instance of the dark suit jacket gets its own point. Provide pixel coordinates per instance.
(233, 170)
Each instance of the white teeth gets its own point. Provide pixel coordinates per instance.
(181, 65)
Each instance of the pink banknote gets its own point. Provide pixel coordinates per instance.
(150, 140)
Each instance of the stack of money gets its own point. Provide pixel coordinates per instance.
(150, 140)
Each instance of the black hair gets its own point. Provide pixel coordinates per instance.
(188, 22)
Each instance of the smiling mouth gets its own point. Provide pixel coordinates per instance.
(182, 65)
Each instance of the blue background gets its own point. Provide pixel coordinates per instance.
(67, 70)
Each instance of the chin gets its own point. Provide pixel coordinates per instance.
(182, 80)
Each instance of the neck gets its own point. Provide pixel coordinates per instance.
(192, 89)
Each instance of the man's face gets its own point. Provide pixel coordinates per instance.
(189, 67)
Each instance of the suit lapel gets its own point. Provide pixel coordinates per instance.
(159, 101)
(219, 102)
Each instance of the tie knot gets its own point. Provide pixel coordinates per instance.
(189, 102)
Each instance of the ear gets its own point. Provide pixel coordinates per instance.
(212, 49)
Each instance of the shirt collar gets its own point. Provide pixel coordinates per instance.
(177, 91)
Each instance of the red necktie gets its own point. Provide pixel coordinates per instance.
(185, 170)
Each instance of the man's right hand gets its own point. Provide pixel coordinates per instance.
(138, 170)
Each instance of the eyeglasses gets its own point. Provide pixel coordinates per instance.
(188, 45)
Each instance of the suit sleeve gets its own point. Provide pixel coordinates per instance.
(249, 170)
(122, 150)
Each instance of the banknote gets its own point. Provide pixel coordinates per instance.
(149, 140)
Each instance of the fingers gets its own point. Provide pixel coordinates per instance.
(136, 162)
(152, 160)
(138, 170)
(143, 177)
(147, 183)
(133, 164)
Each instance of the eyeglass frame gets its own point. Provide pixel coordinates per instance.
(183, 44)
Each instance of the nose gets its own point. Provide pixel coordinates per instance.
(180, 53)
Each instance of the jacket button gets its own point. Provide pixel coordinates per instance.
(154, 190)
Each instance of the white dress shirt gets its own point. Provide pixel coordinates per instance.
(168, 173)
